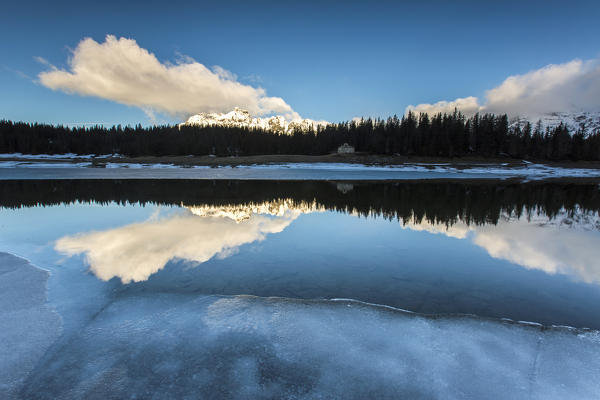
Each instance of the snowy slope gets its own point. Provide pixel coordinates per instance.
(573, 120)
(242, 119)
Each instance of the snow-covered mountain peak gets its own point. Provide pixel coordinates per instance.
(240, 118)
(574, 120)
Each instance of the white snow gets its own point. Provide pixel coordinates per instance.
(574, 120)
(138, 165)
(242, 119)
(37, 164)
(66, 156)
(528, 171)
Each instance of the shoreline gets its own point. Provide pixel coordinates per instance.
(350, 167)
(275, 159)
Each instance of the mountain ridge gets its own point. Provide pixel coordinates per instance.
(574, 121)
(240, 118)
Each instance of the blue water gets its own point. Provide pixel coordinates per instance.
(299, 290)
(95, 251)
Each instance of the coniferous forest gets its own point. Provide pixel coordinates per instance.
(442, 135)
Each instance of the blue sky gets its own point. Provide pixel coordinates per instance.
(326, 60)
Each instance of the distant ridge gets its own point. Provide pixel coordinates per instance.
(239, 118)
(574, 121)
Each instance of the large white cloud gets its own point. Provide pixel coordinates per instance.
(122, 71)
(572, 86)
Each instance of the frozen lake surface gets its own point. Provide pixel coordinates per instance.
(211, 347)
(297, 289)
(36, 169)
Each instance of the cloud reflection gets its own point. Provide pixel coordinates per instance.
(566, 244)
(136, 251)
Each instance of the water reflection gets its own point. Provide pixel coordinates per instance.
(243, 212)
(485, 248)
(446, 202)
(548, 226)
(134, 252)
(566, 243)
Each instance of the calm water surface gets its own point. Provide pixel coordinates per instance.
(511, 250)
(171, 289)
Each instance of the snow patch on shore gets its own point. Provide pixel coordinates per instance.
(527, 170)
(65, 156)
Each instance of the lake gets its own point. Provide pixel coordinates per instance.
(300, 289)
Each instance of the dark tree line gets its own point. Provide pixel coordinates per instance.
(439, 202)
(441, 135)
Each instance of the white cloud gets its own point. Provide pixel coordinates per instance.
(43, 61)
(122, 71)
(467, 105)
(572, 86)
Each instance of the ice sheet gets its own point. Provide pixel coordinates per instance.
(28, 326)
(209, 347)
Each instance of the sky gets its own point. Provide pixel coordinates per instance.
(159, 62)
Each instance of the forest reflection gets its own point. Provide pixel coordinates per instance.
(439, 202)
